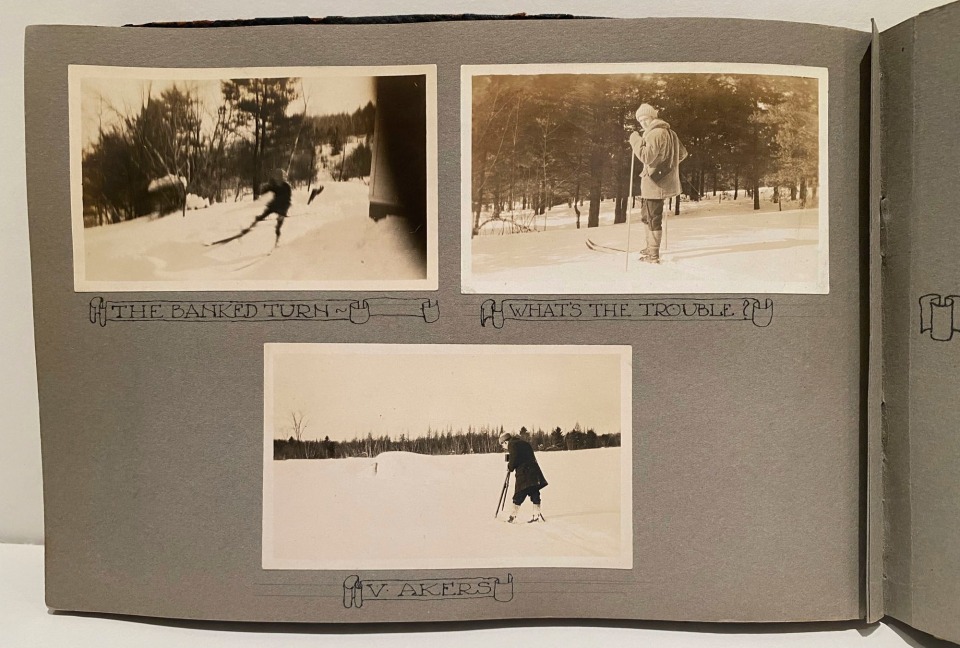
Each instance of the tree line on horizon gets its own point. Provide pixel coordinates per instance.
(539, 141)
(214, 152)
(480, 440)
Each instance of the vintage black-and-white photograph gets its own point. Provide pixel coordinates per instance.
(391, 456)
(313, 178)
(644, 178)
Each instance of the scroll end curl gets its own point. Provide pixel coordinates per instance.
(359, 312)
(431, 311)
(352, 592)
(491, 312)
(98, 311)
(503, 592)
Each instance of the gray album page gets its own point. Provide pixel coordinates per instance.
(321, 310)
(922, 321)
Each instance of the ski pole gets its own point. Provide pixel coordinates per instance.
(503, 495)
(629, 210)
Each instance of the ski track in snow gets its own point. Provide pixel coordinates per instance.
(331, 239)
(405, 510)
(710, 247)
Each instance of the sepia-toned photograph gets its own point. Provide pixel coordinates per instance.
(644, 178)
(311, 178)
(434, 456)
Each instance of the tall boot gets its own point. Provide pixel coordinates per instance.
(649, 236)
(537, 515)
(513, 513)
(654, 256)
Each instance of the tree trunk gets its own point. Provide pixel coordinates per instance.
(596, 188)
(756, 192)
(803, 192)
(736, 183)
(793, 191)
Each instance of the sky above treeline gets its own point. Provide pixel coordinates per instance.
(348, 395)
(107, 100)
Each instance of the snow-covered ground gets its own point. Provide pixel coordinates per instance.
(712, 247)
(330, 241)
(409, 511)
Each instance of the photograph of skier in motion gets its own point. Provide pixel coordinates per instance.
(560, 163)
(660, 151)
(337, 157)
(529, 479)
(279, 205)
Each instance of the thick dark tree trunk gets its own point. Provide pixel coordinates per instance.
(736, 183)
(756, 193)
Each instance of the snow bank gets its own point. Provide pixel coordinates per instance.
(167, 181)
(196, 202)
(331, 239)
(403, 510)
(713, 246)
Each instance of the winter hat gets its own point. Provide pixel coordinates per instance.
(506, 436)
(646, 110)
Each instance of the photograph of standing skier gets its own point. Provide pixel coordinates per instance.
(644, 178)
(529, 479)
(660, 151)
(174, 172)
(402, 444)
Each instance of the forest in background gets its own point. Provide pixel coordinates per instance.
(146, 159)
(475, 440)
(539, 141)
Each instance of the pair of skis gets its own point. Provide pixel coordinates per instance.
(503, 501)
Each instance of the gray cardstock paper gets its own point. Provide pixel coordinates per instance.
(747, 440)
(919, 61)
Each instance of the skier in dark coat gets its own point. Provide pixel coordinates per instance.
(529, 478)
(279, 205)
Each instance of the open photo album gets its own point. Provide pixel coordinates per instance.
(449, 319)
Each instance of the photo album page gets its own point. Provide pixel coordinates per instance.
(452, 320)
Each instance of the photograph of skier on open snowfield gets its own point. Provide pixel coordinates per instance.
(644, 178)
(433, 468)
(529, 479)
(253, 178)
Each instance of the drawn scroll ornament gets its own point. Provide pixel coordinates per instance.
(356, 590)
(324, 310)
(751, 309)
(939, 315)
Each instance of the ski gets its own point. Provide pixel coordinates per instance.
(596, 247)
(229, 238)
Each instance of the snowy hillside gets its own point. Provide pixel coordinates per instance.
(712, 247)
(332, 239)
(404, 510)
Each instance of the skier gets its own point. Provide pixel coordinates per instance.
(661, 152)
(279, 204)
(529, 478)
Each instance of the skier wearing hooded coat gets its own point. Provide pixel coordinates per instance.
(661, 152)
(529, 478)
